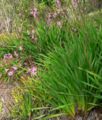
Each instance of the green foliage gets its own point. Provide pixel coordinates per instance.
(69, 59)
(47, 2)
(71, 75)
(8, 43)
(23, 107)
(26, 107)
(49, 37)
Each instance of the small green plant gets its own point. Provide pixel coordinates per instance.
(23, 103)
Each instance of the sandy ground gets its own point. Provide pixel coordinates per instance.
(6, 99)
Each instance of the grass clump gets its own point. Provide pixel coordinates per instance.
(72, 74)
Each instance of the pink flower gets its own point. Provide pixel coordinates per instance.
(49, 18)
(32, 71)
(14, 68)
(75, 3)
(8, 56)
(34, 13)
(10, 73)
(58, 3)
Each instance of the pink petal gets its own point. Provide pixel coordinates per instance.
(58, 3)
(14, 68)
(8, 56)
(32, 71)
(10, 73)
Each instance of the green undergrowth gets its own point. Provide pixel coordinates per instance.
(70, 74)
(68, 60)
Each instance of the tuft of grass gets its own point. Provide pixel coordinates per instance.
(9, 43)
(71, 75)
